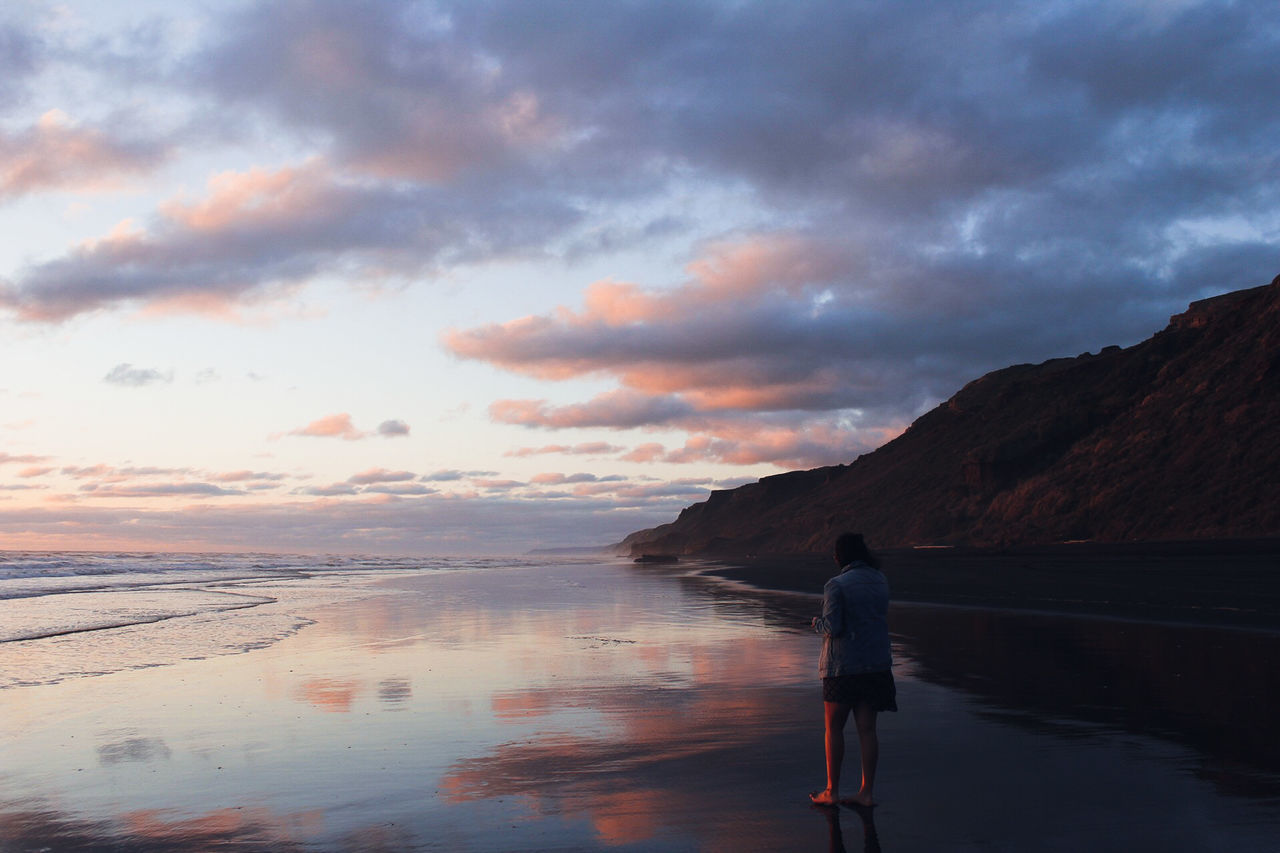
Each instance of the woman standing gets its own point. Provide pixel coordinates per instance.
(855, 663)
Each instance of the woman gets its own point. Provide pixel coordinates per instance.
(855, 664)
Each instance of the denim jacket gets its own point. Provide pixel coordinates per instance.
(855, 633)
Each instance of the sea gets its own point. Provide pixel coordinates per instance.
(91, 610)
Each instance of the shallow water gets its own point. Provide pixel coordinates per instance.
(607, 707)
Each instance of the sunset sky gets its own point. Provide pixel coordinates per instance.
(479, 277)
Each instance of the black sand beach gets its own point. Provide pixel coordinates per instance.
(1232, 582)
(620, 707)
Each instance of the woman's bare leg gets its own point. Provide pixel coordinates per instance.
(835, 716)
(864, 717)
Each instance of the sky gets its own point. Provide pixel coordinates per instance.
(482, 277)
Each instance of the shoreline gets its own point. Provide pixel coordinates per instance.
(1232, 583)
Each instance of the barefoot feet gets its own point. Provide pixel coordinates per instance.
(826, 798)
(862, 798)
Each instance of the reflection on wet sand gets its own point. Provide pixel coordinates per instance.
(599, 707)
(35, 826)
(133, 749)
(330, 694)
(866, 818)
(690, 747)
(1213, 689)
(395, 692)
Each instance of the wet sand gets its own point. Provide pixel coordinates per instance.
(611, 707)
(1223, 582)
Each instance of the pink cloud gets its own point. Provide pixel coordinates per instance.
(35, 471)
(745, 334)
(766, 354)
(649, 452)
(496, 484)
(800, 440)
(589, 448)
(98, 470)
(258, 235)
(23, 459)
(56, 153)
(331, 426)
(255, 199)
(622, 324)
(805, 445)
(555, 479)
(763, 262)
(635, 491)
(617, 409)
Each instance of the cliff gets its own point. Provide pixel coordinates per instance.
(1174, 438)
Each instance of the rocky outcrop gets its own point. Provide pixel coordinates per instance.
(1177, 437)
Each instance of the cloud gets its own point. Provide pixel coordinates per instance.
(452, 474)
(380, 475)
(246, 475)
(1066, 154)
(393, 429)
(113, 474)
(494, 484)
(444, 476)
(55, 154)
(430, 524)
(869, 217)
(331, 490)
(757, 330)
(588, 448)
(403, 489)
(617, 409)
(650, 451)
(35, 471)
(429, 105)
(87, 470)
(806, 444)
(332, 426)
(158, 490)
(1018, 200)
(136, 377)
(22, 56)
(257, 234)
(555, 479)
(21, 459)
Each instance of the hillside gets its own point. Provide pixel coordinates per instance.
(1174, 438)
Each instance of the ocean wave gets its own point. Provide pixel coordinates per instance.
(67, 614)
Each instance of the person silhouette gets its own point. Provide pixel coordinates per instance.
(856, 665)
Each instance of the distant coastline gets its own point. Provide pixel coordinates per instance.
(1233, 582)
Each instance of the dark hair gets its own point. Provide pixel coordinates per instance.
(851, 547)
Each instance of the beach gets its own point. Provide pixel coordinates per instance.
(598, 705)
(1213, 582)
